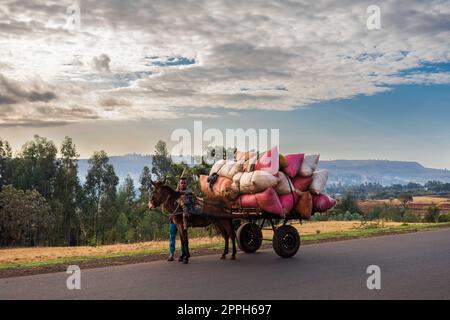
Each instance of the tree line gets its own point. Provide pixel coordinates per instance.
(43, 202)
(377, 191)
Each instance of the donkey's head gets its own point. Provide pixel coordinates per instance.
(160, 194)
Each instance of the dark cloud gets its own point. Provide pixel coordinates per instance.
(101, 63)
(12, 92)
(42, 116)
(111, 102)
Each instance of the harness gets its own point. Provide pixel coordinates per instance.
(170, 214)
(195, 210)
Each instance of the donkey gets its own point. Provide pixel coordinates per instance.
(214, 212)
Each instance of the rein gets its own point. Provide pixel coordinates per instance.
(173, 213)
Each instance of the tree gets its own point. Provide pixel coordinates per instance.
(24, 218)
(127, 190)
(405, 199)
(5, 160)
(67, 184)
(146, 185)
(37, 167)
(122, 226)
(161, 161)
(127, 219)
(100, 189)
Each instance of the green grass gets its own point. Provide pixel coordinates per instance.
(372, 230)
(362, 232)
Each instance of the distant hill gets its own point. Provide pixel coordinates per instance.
(343, 171)
(123, 165)
(381, 171)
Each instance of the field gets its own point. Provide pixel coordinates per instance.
(419, 205)
(310, 231)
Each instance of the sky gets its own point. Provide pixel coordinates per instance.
(121, 75)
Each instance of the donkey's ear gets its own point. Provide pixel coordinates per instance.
(153, 184)
(164, 180)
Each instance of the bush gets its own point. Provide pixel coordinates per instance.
(444, 217)
(348, 204)
(375, 213)
(319, 217)
(391, 213)
(411, 217)
(432, 214)
(338, 216)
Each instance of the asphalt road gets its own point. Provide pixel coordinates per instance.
(413, 266)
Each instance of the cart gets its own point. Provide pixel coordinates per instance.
(286, 238)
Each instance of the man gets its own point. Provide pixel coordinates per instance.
(182, 187)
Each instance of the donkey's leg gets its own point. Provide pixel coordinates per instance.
(232, 234)
(186, 253)
(227, 243)
(223, 233)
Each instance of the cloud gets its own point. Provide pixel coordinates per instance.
(219, 54)
(101, 63)
(39, 115)
(13, 92)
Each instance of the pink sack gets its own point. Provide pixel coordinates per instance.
(269, 161)
(302, 183)
(247, 201)
(267, 200)
(288, 202)
(323, 203)
(294, 163)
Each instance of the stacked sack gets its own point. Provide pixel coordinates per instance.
(272, 182)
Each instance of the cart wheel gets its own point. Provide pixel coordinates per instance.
(286, 241)
(249, 237)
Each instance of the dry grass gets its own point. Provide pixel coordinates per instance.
(323, 227)
(19, 255)
(419, 204)
(23, 255)
(432, 199)
(418, 200)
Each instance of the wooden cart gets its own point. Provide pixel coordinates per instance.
(286, 238)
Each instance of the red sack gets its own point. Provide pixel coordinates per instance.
(302, 183)
(323, 203)
(294, 163)
(267, 200)
(269, 161)
(288, 201)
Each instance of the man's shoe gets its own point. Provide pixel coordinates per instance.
(170, 258)
(180, 259)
